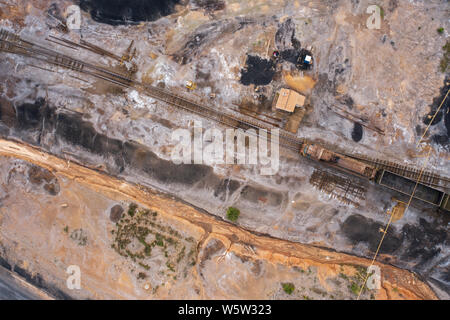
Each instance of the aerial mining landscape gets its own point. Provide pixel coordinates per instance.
(225, 149)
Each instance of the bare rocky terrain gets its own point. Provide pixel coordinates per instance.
(161, 249)
(391, 77)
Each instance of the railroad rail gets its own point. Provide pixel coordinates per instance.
(286, 140)
(12, 43)
(427, 177)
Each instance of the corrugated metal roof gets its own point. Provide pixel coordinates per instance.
(288, 99)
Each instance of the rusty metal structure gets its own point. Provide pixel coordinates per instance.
(427, 178)
(348, 164)
(340, 188)
(408, 187)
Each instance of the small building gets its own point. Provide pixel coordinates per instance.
(288, 99)
(307, 60)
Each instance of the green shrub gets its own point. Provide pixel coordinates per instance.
(141, 275)
(288, 287)
(446, 57)
(355, 288)
(233, 214)
(440, 30)
(343, 276)
(132, 209)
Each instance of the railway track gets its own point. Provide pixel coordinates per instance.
(12, 43)
(286, 140)
(426, 178)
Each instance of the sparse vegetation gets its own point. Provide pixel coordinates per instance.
(79, 236)
(146, 267)
(354, 288)
(159, 240)
(362, 273)
(343, 276)
(381, 12)
(440, 30)
(141, 275)
(132, 209)
(298, 269)
(66, 229)
(446, 57)
(233, 214)
(355, 281)
(288, 287)
(140, 235)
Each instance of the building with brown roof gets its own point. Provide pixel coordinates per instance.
(288, 99)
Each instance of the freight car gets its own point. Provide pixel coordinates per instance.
(408, 187)
(316, 152)
(383, 177)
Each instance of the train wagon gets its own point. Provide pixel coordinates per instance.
(406, 186)
(446, 203)
(354, 166)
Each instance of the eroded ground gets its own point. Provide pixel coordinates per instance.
(172, 252)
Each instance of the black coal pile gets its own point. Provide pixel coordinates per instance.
(358, 228)
(346, 100)
(443, 137)
(205, 35)
(123, 12)
(43, 125)
(258, 71)
(357, 132)
(435, 105)
(290, 55)
(290, 46)
(285, 36)
(210, 5)
(297, 57)
(418, 246)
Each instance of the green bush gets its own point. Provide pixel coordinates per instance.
(440, 30)
(141, 275)
(446, 57)
(355, 288)
(132, 209)
(288, 287)
(233, 214)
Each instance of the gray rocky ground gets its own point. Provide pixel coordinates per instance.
(390, 76)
